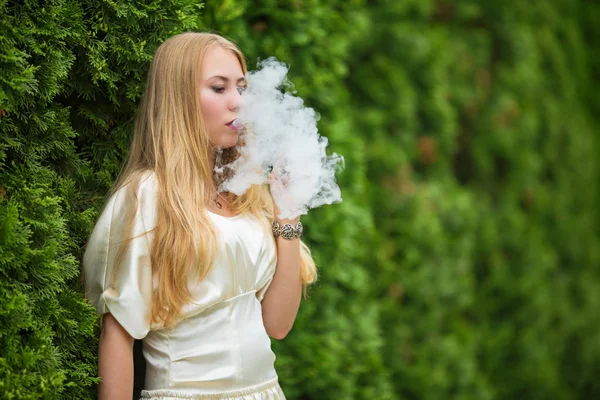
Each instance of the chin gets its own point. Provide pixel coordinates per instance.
(229, 141)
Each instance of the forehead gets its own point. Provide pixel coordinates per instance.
(221, 62)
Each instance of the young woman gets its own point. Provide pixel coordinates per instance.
(203, 277)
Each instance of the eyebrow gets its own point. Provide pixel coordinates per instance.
(241, 80)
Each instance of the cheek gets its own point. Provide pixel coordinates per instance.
(209, 104)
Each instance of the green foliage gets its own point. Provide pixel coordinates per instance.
(488, 96)
(464, 260)
(70, 69)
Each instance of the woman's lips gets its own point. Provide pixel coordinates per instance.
(235, 125)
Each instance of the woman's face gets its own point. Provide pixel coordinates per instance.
(222, 81)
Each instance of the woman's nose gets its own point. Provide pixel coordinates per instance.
(235, 99)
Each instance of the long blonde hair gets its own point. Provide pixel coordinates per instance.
(171, 140)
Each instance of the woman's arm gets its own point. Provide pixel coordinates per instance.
(282, 299)
(115, 361)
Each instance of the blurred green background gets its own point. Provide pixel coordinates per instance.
(464, 261)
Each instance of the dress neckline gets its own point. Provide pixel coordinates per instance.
(233, 217)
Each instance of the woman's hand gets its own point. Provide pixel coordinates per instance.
(282, 300)
(282, 197)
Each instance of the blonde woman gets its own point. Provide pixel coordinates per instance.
(202, 277)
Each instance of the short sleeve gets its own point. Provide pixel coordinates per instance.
(129, 300)
(266, 264)
(260, 294)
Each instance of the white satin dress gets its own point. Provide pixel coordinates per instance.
(219, 349)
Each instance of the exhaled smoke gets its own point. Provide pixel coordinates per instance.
(281, 136)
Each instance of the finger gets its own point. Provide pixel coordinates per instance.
(278, 179)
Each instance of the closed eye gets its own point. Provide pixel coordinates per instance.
(218, 89)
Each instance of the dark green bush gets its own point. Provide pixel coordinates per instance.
(496, 273)
(71, 76)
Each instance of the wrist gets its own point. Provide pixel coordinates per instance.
(289, 230)
(284, 221)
